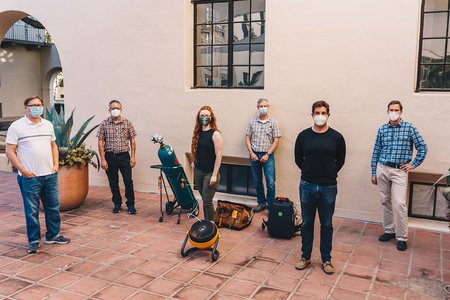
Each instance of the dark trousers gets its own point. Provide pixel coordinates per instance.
(320, 198)
(201, 182)
(120, 162)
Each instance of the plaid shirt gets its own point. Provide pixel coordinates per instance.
(262, 133)
(394, 144)
(116, 135)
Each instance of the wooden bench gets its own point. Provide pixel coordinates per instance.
(229, 160)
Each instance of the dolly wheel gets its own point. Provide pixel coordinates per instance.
(214, 255)
(169, 207)
(161, 219)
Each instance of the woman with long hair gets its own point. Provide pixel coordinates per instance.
(206, 149)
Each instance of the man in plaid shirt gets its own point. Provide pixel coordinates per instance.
(391, 161)
(115, 136)
(261, 137)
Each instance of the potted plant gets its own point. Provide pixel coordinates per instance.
(74, 159)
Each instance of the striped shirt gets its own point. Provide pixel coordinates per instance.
(262, 133)
(394, 144)
(116, 135)
(33, 144)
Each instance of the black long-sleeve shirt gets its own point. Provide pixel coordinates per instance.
(320, 156)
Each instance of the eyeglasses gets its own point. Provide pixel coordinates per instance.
(35, 105)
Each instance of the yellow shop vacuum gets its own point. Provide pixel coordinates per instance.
(203, 235)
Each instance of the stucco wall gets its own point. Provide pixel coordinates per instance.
(356, 55)
(24, 73)
(20, 78)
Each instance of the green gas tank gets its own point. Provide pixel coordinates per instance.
(175, 175)
(167, 156)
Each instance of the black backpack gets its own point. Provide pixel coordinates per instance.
(282, 222)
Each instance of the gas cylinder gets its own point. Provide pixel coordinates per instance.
(167, 156)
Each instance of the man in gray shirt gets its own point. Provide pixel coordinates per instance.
(262, 137)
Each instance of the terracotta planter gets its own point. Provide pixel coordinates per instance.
(73, 186)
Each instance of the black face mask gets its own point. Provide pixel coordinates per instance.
(204, 121)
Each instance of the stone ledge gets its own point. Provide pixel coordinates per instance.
(5, 165)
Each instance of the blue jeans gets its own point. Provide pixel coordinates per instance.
(269, 173)
(33, 190)
(321, 198)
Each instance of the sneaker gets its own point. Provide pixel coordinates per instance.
(328, 268)
(385, 237)
(402, 245)
(58, 240)
(260, 207)
(131, 210)
(117, 208)
(33, 248)
(302, 264)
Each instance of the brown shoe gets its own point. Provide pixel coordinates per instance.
(302, 264)
(328, 268)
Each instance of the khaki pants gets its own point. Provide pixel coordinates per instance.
(392, 184)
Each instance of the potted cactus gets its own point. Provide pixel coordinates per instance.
(74, 159)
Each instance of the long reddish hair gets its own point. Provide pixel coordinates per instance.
(198, 128)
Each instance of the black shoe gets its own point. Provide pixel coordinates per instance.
(402, 246)
(260, 207)
(117, 208)
(33, 248)
(131, 210)
(59, 240)
(386, 237)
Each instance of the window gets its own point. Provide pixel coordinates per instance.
(427, 202)
(229, 43)
(236, 179)
(434, 58)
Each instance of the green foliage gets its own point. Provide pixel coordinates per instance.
(72, 151)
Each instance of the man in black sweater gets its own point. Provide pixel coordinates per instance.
(320, 154)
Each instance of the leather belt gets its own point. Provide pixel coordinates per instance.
(117, 153)
(392, 165)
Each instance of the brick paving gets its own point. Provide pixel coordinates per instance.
(121, 256)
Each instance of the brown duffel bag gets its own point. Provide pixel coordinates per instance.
(232, 215)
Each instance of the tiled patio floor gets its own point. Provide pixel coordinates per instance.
(118, 256)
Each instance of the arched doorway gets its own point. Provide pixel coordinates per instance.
(56, 86)
(29, 64)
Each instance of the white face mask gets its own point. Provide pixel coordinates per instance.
(320, 120)
(393, 116)
(115, 112)
(263, 110)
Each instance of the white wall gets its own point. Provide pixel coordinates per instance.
(356, 55)
(20, 78)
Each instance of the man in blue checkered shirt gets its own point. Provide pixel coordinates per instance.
(391, 161)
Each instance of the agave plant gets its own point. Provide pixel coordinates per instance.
(72, 151)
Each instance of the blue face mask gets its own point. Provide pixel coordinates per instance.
(36, 111)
